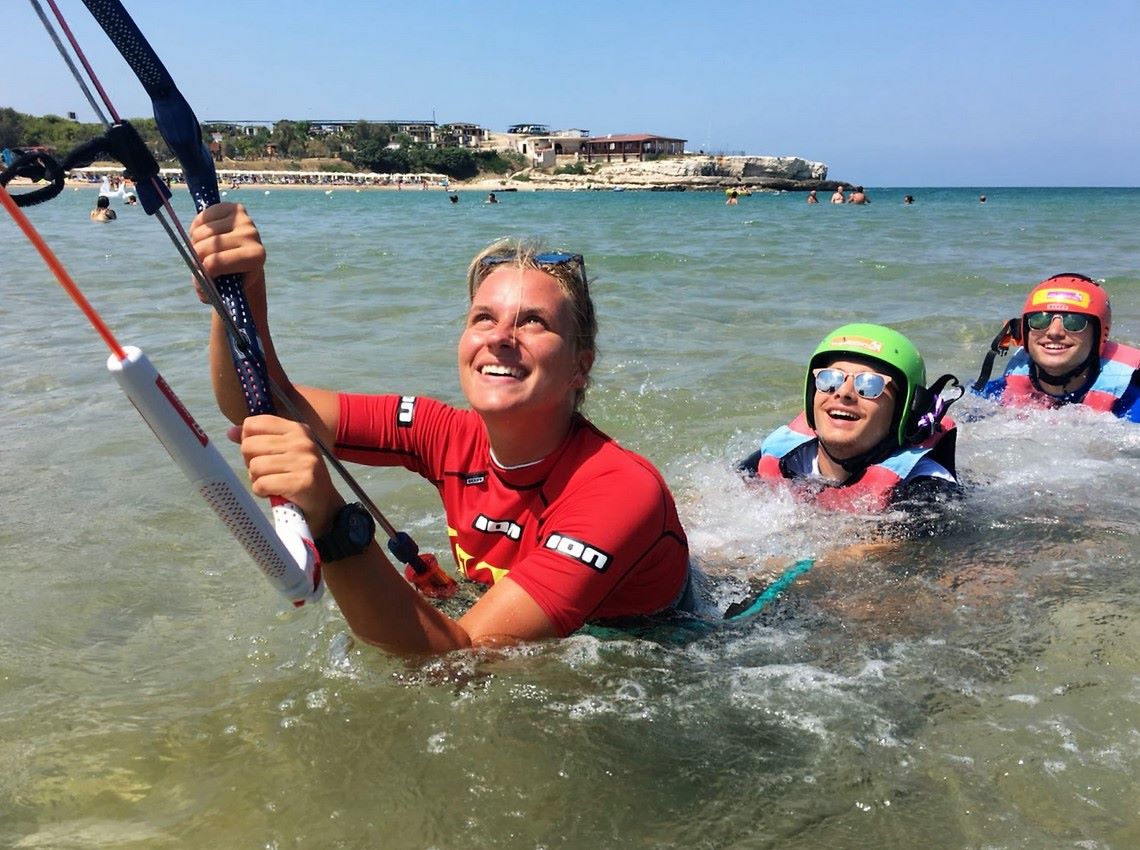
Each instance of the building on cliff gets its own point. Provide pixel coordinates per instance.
(637, 146)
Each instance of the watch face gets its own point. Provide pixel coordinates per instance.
(350, 535)
(359, 528)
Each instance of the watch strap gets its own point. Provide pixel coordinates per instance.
(350, 534)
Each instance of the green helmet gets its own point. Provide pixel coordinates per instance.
(880, 345)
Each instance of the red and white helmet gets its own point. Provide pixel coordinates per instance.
(1070, 293)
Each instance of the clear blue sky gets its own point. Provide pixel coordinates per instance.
(906, 93)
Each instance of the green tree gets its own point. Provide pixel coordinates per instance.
(500, 162)
(243, 146)
(373, 156)
(365, 145)
(363, 132)
(11, 127)
(62, 134)
(459, 163)
(290, 137)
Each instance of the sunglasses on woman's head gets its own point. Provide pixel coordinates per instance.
(1074, 323)
(547, 258)
(868, 385)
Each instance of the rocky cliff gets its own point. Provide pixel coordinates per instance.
(696, 172)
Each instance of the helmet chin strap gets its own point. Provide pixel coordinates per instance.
(1040, 376)
(861, 461)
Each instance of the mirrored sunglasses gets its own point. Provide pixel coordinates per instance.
(867, 385)
(1074, 323)
(546, 258)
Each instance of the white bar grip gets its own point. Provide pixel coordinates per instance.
(287, 556)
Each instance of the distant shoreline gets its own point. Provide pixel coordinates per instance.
(486, 184)
(504, 185)
(668, 174)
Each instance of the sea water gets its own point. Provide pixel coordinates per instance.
(977, 689)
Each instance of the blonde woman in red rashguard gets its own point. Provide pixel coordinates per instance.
(565, 525)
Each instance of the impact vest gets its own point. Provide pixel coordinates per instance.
(870, 489)
(1117, 363)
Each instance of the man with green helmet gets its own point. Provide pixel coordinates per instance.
(872, 433)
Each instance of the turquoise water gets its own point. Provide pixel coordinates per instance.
(975, 690)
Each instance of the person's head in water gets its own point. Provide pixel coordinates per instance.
(517, 269)
(860, 393)
(102, 203)
(1065, 323)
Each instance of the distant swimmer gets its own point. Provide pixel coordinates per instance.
(732, 199)
(453, 198)
(812, 198)
(103, 211)
(858, 196)
(491, 199)
(981, 199)
(838, 197)
(908, 200)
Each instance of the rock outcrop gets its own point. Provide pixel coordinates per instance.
(694, 172)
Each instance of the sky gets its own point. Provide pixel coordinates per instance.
(905, 93)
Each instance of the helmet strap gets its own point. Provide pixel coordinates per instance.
(859, 463)
(1039, 376)
(1010, 334)
(926, 423)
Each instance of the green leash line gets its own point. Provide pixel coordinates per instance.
(682, 630)
(774, 589)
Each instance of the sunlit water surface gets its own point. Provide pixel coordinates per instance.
(979, 689)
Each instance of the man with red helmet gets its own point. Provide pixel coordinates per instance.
(1065, 355)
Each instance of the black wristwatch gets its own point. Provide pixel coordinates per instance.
(351, 532)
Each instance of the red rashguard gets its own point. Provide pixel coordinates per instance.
(590, 532)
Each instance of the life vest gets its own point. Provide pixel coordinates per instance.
(1117, 363)
(870, 489)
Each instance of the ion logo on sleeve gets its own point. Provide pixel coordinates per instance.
(579, 551)
(406, 411)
